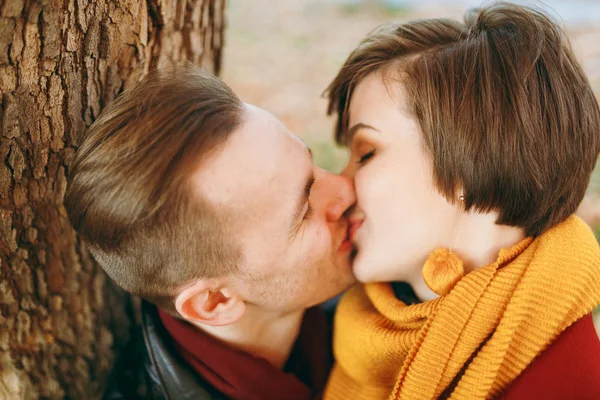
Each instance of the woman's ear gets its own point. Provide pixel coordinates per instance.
(203, 303)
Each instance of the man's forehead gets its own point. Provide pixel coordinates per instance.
(256, 167)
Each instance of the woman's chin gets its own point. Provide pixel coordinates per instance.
(361, 271)
(368, 269)
(365, 271)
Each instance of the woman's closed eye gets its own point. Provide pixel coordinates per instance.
(363, 159)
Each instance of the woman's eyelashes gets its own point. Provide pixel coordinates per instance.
(363, 159)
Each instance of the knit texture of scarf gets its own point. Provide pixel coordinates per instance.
(474, 341)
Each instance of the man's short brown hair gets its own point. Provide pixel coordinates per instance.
(128, 193)
(504, 108)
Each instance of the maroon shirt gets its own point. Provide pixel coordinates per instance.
(242, 376)
(568, 369)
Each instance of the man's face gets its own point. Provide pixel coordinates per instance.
(291, 215)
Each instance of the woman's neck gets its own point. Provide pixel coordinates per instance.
(478, 241)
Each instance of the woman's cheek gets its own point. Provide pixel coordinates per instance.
(360, 185)
(369, 186)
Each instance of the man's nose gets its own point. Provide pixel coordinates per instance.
(341, 195)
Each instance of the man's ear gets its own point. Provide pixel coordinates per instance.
(202, 302)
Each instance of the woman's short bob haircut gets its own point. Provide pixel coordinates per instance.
(504, 108)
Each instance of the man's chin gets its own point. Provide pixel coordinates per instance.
(334, 297)
(342, 261)
(343, 282)
(347, 278)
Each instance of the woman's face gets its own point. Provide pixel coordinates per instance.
(405, 217)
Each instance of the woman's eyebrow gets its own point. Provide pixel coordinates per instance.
(356, 127)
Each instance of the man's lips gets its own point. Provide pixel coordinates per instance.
(346, 243)
(353, 226)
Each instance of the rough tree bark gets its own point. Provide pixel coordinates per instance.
(61, 62)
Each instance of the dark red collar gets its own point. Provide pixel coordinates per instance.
(242, 376)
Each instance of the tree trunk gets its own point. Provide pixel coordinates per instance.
(61, 61)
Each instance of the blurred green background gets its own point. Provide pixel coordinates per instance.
(281, 55)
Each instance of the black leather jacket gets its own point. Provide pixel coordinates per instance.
(152, 369)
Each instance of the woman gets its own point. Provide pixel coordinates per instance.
(472, 145)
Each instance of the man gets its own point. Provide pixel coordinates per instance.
(212, 211)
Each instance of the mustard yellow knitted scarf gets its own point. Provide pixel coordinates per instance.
(473, 342)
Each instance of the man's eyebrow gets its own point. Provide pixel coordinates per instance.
(355, 128)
